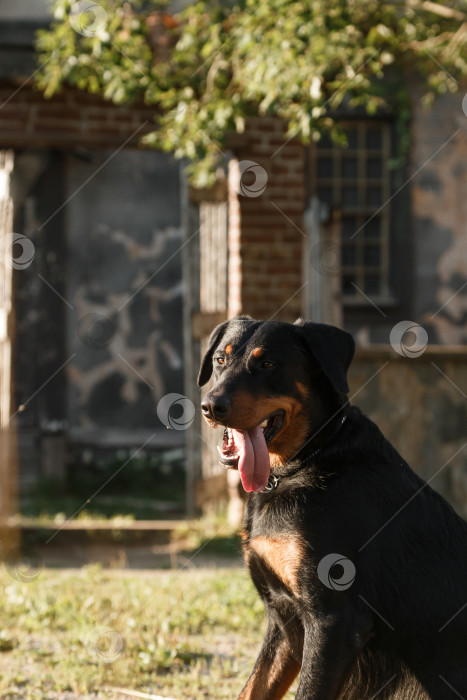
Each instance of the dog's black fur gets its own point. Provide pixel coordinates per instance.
(399, 630)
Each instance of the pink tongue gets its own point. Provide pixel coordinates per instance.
(253, 463)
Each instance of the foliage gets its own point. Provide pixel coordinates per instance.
(303, 61)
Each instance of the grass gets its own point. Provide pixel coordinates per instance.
(183, 634)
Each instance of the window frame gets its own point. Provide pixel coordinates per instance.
(397, 248)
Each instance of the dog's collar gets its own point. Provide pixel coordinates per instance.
(274, 481)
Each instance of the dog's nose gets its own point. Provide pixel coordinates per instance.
(215, 407)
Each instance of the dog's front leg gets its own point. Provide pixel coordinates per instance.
(275, 668)
(330, 647)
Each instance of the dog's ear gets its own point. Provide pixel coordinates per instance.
(206, 363)
(331, 347)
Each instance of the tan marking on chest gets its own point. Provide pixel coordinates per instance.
(283, 556)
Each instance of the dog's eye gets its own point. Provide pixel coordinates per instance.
(220, 360)
(267, 365)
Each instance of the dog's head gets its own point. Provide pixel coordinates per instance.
(274, 384)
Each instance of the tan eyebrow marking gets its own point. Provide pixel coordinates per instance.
(228, 349)
(257, 352)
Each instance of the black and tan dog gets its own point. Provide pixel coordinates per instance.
(361, 565)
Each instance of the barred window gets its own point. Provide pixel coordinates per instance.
(356, 180)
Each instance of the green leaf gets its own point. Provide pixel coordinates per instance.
(297, 60)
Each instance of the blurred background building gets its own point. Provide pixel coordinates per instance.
(132, 269)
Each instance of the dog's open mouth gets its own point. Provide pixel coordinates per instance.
(229, 451)
(246, 450)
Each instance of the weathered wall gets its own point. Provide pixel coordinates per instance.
(420, 405)
(124, 286)
(99, 309)
(39, 342)
(439, 206)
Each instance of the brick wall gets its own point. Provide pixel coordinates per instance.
(68, 119)
(266, 232)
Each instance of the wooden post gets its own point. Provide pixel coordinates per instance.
(322, 265)
(9, 537)
(332, 297)
(205, 305)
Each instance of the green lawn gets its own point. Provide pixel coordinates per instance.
(183, 634)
